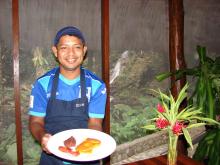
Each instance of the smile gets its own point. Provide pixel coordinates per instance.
(71, 60)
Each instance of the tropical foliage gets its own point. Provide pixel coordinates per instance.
(130, 95)
(206, 95)
(126, 121)
(169, 118)
(209, 147)
(176, 123)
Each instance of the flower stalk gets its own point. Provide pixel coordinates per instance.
(172, 149)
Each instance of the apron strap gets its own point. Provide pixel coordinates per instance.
(82, 83)
(55, 84)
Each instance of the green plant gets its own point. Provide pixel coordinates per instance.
(206, 94)
(176, 123)
(126, 120)
(207, 89)
(209, 148)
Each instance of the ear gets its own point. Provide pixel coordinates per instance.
(54, 49)
(84, 50)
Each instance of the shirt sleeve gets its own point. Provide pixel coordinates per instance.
(98, 102)
(38, 101)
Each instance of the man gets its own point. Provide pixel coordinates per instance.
(66, 97)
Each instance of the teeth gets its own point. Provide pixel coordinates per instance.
(71, 60)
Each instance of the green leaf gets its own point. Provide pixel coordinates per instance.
(150, 127)
(210, 121)
(187, 136)
(196, 125)
(163, 76)
(202, 54)
(182, 95)
(164, 96)
(189, 113)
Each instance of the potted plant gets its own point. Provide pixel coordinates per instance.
(206, 95)
(176, 123)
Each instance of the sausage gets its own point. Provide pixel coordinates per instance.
(68, 150)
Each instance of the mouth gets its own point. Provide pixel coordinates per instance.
(71, 60)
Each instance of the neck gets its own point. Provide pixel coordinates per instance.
(70, 74)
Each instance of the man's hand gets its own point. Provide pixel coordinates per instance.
(44, 142)
(36, 126)
(95, 123)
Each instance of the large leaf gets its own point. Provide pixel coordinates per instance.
(210, 121)
(196, 125)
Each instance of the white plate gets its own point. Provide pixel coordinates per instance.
(107, 147)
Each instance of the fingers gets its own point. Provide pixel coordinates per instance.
(44, 142)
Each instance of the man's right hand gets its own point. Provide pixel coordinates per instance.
(44, 142)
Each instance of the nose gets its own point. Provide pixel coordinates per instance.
(71, 51)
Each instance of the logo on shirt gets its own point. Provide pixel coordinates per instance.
(88, 94)
(103, 91)
(80, 105)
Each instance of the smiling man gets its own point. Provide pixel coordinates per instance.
(66, 97)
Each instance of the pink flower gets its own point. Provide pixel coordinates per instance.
(160, 108)
(177, 128)
(162, 123)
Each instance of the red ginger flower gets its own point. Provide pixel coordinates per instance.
(162, 123)
(160, 108)
(177, 128)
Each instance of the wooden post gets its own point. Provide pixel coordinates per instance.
(176, 53)
(105, 65)
(15, 32)
(105, 58)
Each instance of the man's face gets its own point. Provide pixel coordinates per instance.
(70, 52)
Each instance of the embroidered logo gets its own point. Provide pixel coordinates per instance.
(103, 91)
(80, 105)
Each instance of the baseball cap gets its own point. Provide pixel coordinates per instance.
(69, 30)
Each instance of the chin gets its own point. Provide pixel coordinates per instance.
(70, 68)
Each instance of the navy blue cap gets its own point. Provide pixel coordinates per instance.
(69, 30)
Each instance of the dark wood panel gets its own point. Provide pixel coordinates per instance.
(162, 160)
(176, 55)
(15, 31)
(105, 58)
(105, 65)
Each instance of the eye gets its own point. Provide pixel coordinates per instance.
(78, 47)
(63, 47)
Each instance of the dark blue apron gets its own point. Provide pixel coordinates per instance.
(63, 115)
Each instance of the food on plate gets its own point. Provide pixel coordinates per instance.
(70, 142)
(88, 145)
(68, 150)
(94, 141)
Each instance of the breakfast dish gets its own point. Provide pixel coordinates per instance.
(89, 145)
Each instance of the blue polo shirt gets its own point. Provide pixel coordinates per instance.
(68, 90)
